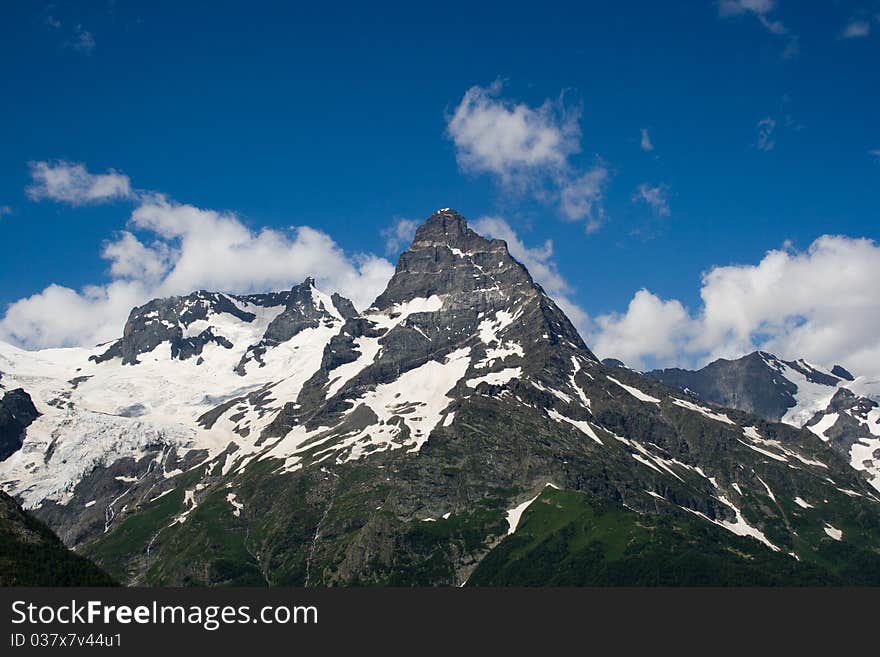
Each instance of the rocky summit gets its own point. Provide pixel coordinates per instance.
(458, 431)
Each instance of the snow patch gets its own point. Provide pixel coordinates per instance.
(489, 329)
(556, 393)
(236, 506)
(712, 415)
(496, 378)
(514, 514)
(769, 492)
(801, 502)
(635, 392)
(582, 425)
(824, 424)
(739, 526)
(833, 532)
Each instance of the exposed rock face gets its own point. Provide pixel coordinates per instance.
(401, 445)
(181, 322)
(169, 320)
(835, 405)
(17, 411)
(303, 309)
(748, 383)
(842, 373)
(455, 297)
(851, 424)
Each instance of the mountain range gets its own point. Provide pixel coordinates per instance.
(459, 431)
(842, 410)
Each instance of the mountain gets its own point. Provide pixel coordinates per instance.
(31, 555)
(289, 439)
(842, 410)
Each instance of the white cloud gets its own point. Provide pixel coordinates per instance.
(650, 327)
(737, 7)
(5, 210)
(399, 235)
(511, 139)
(216, 251)
(190, 248)
(856, 29)
(581, 197)
(875, 152)
(818, 304)
(130, 259)
(645, 143)
(539, 261)
(60, 317)
(655, 196)
(766, 128)
(761, 10)
(70, 182)
(528, 149)
(758, 8)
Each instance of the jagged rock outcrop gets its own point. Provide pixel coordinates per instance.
(17, 411)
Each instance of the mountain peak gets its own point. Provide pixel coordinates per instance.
(445, 227)
(447, 256)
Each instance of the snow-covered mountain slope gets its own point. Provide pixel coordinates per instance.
(287, 438)
(459, 315)
(843, 410)
(136, 403)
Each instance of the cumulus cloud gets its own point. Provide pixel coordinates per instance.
(654, 196)
(528, 149)
(856, 29)
(62, 317)
(70, 182)
(399, 235)
(645, 143)
(215, 250)
(541, 265)
(174, 248)
(650, 328)
(766, 128)
(510, 139)
(817, 304)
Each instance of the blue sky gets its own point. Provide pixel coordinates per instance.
(338, 119)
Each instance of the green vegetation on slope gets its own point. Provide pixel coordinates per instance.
(32, 555)
(569, 538)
